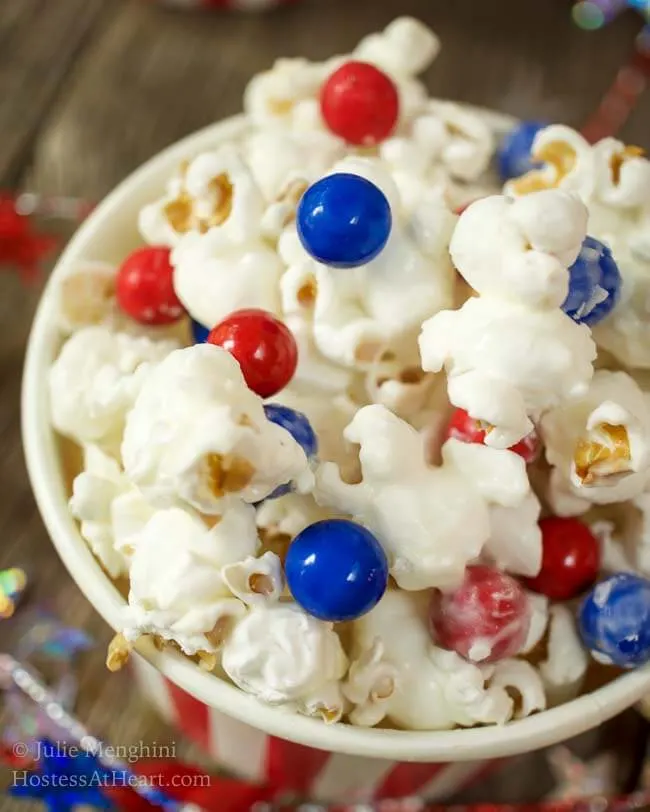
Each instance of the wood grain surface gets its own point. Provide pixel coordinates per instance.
(91, 88)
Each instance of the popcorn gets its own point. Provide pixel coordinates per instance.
(85, 296)
(455, 137)
(212, 283)
(431, 521)
(289, 515)
(255, 581)
(512, 353)
(598, 444)
(613, 180)
(110, 510)
(197, 435)
(515, 543)
(277, 158)
(215, 194)
(360, 313)
(406, 48)
(271, 98)
(565, 667)
(95, 380)
(397, 674)
(283, 656)
(178, 591)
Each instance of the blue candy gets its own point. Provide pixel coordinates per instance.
(594, 284)
(513, 154)
(299, 427)
(199, 332)
(336, 570)
(614, 620)
(344, 220)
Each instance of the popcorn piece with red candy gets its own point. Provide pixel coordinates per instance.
(359, 314)
(598, 445)
(511, 352)
(197, 435)
(397, 673)
(432, 521)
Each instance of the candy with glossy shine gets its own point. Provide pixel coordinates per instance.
(343, 220)
(570, 559)
(336, 570)
(513, 154)
(594, 284)
(485, 619)
(614, 620)
(264, 347)
(144, 287)
(199, 332)
(360, 104)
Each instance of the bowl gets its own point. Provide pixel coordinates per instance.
(107, 235)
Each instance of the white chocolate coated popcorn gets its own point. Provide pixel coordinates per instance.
(110, 510)
(177, 589)
(95, 380)
(289, 514)
(406, 48)
(613, 180)
(431, 521)
(212, 282)
(454, 137)
(598, 444)
(198, 435)
(85, 296)
(511, 352)
(398, 674)
(213, 193)
(278, 157)
(565, 666)
(515, 543)
(286, 657)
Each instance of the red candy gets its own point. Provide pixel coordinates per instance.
(263, 345)
(570, 559)
(145, 287)
(485, 619)
(464, 428)
(360, 104)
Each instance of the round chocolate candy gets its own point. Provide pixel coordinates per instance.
(336, 570)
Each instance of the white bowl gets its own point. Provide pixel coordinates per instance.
(107, 235)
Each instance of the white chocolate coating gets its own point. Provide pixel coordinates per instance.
(511, 352)
(95, 381)
(198, 435)
(565, 667)
(285, 657)
(177, 589)
(431, 521)
(110, 510)
(215, 194)
(613, 181)
(598, 444)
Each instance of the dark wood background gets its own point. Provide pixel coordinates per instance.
(91, 88)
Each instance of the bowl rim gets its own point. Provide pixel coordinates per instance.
(44, 470)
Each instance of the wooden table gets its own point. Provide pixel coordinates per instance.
(91, 88)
